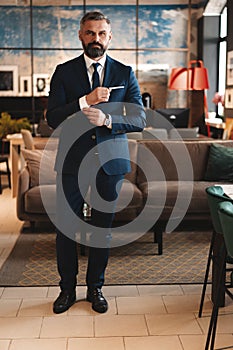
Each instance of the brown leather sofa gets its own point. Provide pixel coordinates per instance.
(167, 184)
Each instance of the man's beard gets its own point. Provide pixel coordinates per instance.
(94, 52)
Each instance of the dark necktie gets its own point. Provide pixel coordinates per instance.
(95, 76)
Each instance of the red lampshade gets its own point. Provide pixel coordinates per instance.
(178, 79)
(191, 78)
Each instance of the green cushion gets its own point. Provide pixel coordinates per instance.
(220, 164)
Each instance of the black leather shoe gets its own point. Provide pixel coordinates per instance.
(99, 303)
(64, 301)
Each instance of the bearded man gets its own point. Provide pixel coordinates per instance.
(89, 101)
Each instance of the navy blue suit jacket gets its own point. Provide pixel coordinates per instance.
(70, 82)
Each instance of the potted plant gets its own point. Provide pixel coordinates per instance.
(11, 126)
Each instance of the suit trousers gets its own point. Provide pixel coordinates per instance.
(108, 187)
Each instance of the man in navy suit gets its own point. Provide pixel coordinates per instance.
(94, 106)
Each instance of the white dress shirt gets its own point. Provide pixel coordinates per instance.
(90, 70)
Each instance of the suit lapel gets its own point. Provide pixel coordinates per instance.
(108, 76)
(81, 72)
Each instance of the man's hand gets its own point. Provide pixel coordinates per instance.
(94, 115)
(100, 94)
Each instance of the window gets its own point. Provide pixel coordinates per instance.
(222, 58)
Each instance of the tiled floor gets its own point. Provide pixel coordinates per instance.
(139, 317)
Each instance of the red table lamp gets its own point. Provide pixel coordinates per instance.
(191, 78)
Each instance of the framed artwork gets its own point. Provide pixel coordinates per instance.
(26, 85)
(9, 81)
(229, 98)
(41, 84)
(230, 68)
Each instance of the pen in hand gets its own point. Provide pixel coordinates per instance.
(115, 87)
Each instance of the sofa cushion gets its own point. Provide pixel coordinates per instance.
(33, 201)
(167, 160)
(189, 158)
(41, 170)
(133, 150)
(164, 195)
(129, 193)
(220, 164)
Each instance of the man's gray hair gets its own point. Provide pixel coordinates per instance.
(94, 16)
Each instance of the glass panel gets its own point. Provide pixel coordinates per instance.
(123, 23)
(45, 61)
(15, 26)
(153, 74)
(56, 26)
(223, 28)
(19, 62)
(222, 60)
(20, 58)
(158, 26)
(222, 73)
(126, 57)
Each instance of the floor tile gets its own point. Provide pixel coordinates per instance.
(4, 344)
(120, 325)
(82, 307)
(36, 307)
(38, 344)
(2, 259)
(8, 240)
(67, 326)
(20, 327)
(140, 305)
(25, 292)
(53, 292)
(228, 305)
(4, 254)
(185, 303)
(81, 291)
(120, 291)
(136, 318)
(195, 289)
(153, 343)
(224, 324)
(160, 290)
(172, 324)
(115, 343)
(194, 342)
(108, 291)
(4, 236)
(9, 308)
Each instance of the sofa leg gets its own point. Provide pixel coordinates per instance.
(32, 226)
(158, 238)
(83, 243)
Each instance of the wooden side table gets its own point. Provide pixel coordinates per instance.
(16, 159)
(15, 143)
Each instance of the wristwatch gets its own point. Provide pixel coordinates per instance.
(108, 120)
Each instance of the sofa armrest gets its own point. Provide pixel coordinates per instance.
(23, 187)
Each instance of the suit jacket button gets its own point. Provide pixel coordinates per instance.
(93, 137)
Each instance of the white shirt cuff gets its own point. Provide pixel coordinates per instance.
(110, 118)
(83, 102)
